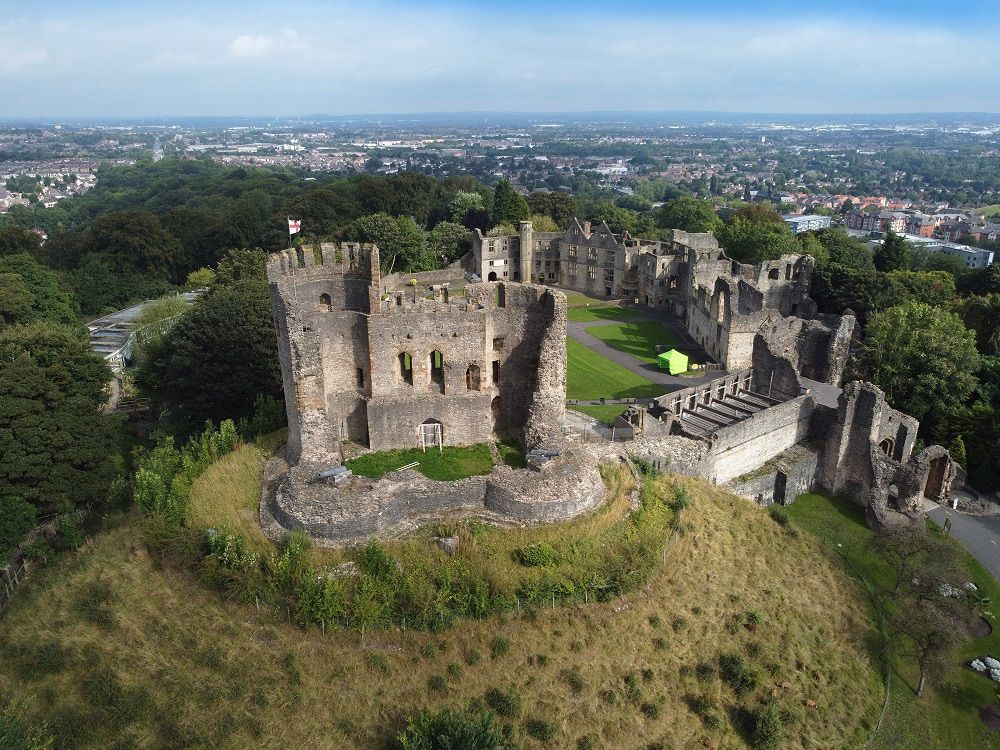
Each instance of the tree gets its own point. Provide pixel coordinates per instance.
(15, 239)
(812, 246)
(902, 547)
(561, 207)
(544, 223)
(982, 314)
(402, 245)
(464, 203)
(957, 451)
(449, 241)
(689, 214)
(202, 277)
(508, 205)
(218, 358)
(135, 240)
(618, 219)
(933, 637)
(753, 241)
(17, 518)
(47, 301)
(15, 299)
(57, 449)
(924, 358)
(933, 288)
(893, 254)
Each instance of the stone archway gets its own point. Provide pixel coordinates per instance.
(492, 276)
(935, 477)
(888, 446)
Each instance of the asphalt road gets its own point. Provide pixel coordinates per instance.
(978, 534)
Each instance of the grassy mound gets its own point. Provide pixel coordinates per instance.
(445, 465)
(741, 624)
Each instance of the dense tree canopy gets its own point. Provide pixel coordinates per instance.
(923, 357)
(56, 447)
(508, 205)
(689, 214)
(38, 296)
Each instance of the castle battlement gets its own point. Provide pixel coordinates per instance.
(351, 259)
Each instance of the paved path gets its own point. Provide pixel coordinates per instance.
(577, 331)
(978, 534)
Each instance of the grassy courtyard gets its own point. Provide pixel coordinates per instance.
(638, 338)
(604, 414)
(590, 376)
(590, 314)
(946, 716)
(445, 465)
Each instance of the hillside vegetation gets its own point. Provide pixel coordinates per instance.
(116, 649)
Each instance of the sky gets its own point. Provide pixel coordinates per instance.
(118, 58)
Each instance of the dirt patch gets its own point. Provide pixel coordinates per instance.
(980, 628)
(991, 716)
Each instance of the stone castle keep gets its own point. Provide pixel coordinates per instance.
(400, 362)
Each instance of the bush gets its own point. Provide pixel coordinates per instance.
(17, 518)
(436, 683)
(736, 673)
(682, 498)
(473, 657)
(536, 555)
(18, 733)
(574, 680)
(498, 647)
(705, 672)
(766, 727)
(449, 728)
(541, 730)
(650, 710)
(506, 704)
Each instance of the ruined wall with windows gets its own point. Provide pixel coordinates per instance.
(403, 367)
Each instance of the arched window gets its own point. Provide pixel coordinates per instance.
(887, 445)
(405, 363)
(437, 369)
(325, 304)
(472, 378)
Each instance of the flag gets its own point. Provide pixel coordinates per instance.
(294, 225)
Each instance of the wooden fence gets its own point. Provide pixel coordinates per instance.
(12, 576)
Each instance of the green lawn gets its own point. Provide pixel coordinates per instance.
(577, 298)
(590, 376)
(604, 414)
(637, 338)
(946, 717)
(588, 314)
(447, 465)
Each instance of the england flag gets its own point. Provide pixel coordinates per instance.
(294, 226)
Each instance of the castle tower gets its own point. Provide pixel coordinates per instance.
(526, 232)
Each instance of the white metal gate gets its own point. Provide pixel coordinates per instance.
(432, 435)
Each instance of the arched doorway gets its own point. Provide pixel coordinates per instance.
(325, 303)
(431, 434)
(496, 413)
(888, 446)
(492, 276)
(473, 379)
(935, 478)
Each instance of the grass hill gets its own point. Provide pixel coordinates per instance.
(116, 650)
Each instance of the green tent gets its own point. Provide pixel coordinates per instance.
(674, 361)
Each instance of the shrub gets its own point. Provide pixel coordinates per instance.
(608, 696)
(682, 498)
(705, 672)
(678, 624)
(736, 673)
(378, 661)
(659, 643)
(753, 618)
(650, 710)
(733, 624)
(498, 647)
(17, 518)
(454, 670)
(654, 620)
(766, 727)
(436, 682)
(473, 657)
(536, 555)
(753, 649)
(18, 733)
(541, 730)
(506, 704)
(450, 728)
(574, 680)
(586, 743)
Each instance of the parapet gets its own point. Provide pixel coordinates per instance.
(347, 259)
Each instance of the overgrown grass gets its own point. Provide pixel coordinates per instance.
(612, 312)
(946, 716)
(638, 338)
(590, 376)
(175, 665)
(445, 465)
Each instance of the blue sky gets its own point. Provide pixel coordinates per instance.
(138, 58)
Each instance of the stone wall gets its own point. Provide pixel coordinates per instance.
(782, 479)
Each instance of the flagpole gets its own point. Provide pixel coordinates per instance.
(289, 218)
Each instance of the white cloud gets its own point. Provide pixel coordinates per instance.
(249, 46)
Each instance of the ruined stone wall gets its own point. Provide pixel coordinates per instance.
(781, 479)
(818, 348)
(746, 445)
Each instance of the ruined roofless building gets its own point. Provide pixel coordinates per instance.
(398, 368)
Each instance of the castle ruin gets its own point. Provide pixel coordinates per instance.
(406, 362)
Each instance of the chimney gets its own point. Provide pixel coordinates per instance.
(586, 228)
